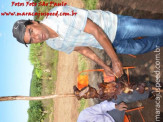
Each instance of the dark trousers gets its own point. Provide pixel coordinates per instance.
(127, 98)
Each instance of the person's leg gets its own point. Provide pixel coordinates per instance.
(117, 115)
(128, 98)
(140, 46)
(129, 27)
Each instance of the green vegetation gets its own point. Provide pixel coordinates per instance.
(36, 85)
(82, 65)
(83, 104)
(35, 112)
(44, 59)
(90, 4)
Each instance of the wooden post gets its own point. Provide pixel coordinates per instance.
(10, 98)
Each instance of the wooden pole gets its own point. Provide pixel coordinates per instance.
(10, 98)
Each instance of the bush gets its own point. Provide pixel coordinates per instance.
(35, 111)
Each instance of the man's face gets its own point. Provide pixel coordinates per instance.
(36, 33)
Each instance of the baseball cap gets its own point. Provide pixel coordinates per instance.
(19, 31)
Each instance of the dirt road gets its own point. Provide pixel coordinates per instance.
(65, 109)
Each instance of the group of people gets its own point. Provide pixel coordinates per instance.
(99, 29)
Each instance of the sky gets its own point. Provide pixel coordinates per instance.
(15, 67)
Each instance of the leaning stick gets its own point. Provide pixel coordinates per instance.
(10, 98)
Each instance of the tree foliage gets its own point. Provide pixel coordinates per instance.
(35, 111)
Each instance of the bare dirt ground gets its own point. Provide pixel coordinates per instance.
(66, 108)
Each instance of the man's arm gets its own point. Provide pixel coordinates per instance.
(86, 51)
(104, 41)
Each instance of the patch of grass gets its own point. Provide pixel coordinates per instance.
(82, 65)
(54, 72)
(49, 60)
(83, 104)
(90, 4)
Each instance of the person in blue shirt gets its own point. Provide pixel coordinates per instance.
(92, 28)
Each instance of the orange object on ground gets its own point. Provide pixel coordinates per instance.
(128, 118)
(82, 81)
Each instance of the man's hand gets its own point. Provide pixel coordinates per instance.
(108, 71)
(86, 51)
(117, 68)
(121, 107)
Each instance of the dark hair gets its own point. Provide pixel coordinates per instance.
(29, 22)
